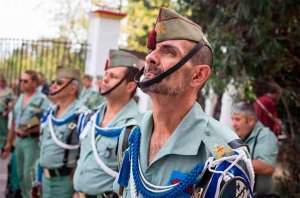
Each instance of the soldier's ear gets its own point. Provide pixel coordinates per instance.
(200, 76)
(251, 120)
(131, 86)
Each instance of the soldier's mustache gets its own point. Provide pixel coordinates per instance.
(153, 69)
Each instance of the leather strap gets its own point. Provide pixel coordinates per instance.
(69, 139)
(157, 79)
(234, 144)
(63, 171)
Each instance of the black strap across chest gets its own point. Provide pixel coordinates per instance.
(69, 140)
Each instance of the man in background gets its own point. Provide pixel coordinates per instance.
(89, 96)
(28, 109)
(262, 142)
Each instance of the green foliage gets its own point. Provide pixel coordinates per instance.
(261, 38)
(141, 20)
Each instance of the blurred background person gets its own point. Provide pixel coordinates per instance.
(266, 108)
(262, 143)
(43, 85)
(89, 96)
(99, 82)
(6, 98)
(28, 110)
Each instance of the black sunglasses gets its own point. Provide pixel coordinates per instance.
(24, 81)
(58, 82)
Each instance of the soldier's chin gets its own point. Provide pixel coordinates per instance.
(52, 93)
(102, 91)
(147, 77)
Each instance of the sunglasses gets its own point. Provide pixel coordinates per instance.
(23, 81)
(58, 82)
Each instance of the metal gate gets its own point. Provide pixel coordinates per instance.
(18, 55)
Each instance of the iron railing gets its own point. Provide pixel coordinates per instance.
(18, 55)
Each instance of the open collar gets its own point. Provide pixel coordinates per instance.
(129, 111)
(185, 140)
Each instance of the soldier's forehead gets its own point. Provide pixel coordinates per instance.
(26, 75)
(116, 69)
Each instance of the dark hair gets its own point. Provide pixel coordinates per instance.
(130, 74)
(88, 77)
(33, 75)
(273, 88)
(203, 57)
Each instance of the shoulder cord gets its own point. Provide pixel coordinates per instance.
(103, 166)
(160, 191)
(138, 180)
(125, 143)
(56, 140)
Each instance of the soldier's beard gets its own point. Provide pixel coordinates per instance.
(162, 87)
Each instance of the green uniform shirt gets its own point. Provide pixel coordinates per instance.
(38, 103)
(184, 149)
(89, 178)
(266, 150)
(91, 98)
(6, 96)
(52, 155)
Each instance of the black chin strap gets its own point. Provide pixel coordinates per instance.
(114, 87)
(62, 88)
(157, 79)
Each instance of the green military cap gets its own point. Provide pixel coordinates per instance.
(68, 72)
(119, 58)
(172, 26)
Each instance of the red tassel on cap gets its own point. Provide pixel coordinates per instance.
(152, 40)
(106, 65)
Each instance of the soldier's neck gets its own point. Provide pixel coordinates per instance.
(29, 93)
(168, 112)
(62, 106)
(112, 109)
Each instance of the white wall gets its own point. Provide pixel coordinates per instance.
(103, 35)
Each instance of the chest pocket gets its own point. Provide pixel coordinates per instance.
(35, 108)
(106, 147)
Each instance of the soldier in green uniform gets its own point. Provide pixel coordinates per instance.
(262, 142)
(28, 110)
(6, 97)
(98, 165)
(88, 96)
(59, 135)
(174, 145)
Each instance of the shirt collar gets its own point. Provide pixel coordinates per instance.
(185, 140)
(254, 131)
(129, 111)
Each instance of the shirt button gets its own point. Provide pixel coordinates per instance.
(207, 133)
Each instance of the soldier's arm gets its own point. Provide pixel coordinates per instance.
(262, 168)
(11, 134)
(9, 142)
